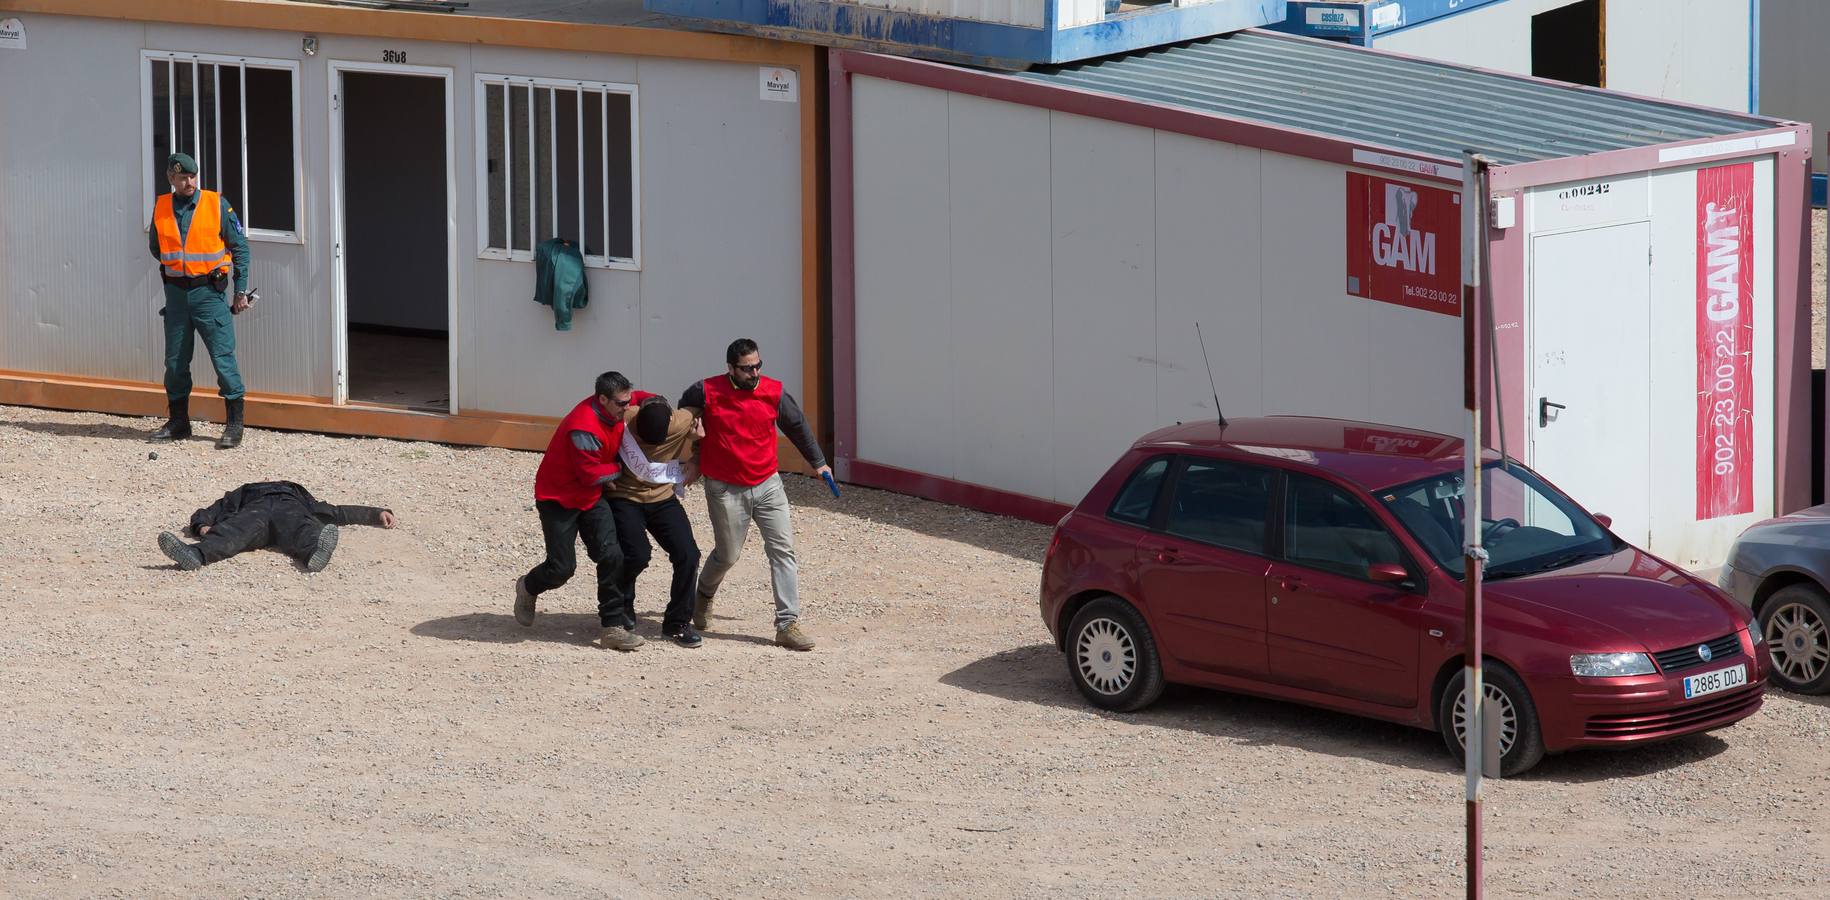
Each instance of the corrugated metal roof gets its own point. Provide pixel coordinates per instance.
(1406, 104)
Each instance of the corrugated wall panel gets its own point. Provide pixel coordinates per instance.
(1104, 220)
(1001, 344)
(80, 292)
(903, 265)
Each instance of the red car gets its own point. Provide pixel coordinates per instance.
(1320, 561)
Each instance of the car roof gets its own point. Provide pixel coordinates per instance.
(1369, 454)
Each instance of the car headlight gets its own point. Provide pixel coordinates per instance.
(1610, 665)
(1755, 631)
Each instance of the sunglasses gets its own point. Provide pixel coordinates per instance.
(619, 404)
(748, 370)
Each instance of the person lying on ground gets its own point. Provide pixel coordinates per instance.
(278, 514)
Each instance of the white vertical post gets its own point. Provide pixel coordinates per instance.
(578, 106)
(196, 115)
(241, 97)
(552, 160)
(508, 167)
(1473, 239)
(216, 121)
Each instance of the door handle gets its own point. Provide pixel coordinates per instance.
(1165, 555)
(1289, 584)
(1544, 408)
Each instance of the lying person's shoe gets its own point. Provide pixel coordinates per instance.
(188, 558)
(327, 544)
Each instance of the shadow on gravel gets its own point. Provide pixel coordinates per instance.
(1015, 538)
(557, 628)
(90, 429)
(498, 628)
(1037, 674)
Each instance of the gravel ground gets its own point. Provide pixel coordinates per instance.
(384, 728)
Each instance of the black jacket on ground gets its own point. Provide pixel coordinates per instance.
(271, 514)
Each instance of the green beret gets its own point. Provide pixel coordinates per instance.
(182, 162)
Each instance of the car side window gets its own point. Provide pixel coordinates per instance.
(1137, 499)
(1325, 528)
(1223, 503)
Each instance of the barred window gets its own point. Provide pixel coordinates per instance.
(238, 117)
(557, 159)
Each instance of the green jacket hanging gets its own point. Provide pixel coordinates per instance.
(559, 280)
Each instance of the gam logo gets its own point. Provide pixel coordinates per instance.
(1395, 244)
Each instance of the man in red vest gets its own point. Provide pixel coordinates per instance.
(741, 409)
(580, 462)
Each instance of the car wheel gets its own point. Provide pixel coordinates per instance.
(1793, 621)
(1112, 657)
(1521, 741)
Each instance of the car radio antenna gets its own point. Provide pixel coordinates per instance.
(1210, 376)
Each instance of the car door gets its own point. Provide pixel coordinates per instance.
(1202, 567)
(1329, 627)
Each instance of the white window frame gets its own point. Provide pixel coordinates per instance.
(175, 57)
(633, 262)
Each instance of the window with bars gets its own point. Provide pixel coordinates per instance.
(238, 118)
(557, 159)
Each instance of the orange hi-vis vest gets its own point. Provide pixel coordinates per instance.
(201, 250)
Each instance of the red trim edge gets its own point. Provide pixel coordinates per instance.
(958, 493)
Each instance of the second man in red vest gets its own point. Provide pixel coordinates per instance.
(741, 409)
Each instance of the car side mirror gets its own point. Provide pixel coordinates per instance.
(1606, 521)
(1387, 573)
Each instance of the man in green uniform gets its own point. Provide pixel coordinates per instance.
(196, 271)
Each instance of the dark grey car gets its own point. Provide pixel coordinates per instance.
(1780, 568)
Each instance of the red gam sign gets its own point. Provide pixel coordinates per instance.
(1404, 243)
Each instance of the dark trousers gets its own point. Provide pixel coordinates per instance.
(563, 526)
(667, 521)
(284, 524)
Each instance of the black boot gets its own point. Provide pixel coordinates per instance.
(178, 421)
(231, 429)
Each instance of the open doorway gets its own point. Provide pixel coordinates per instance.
(395, 241)
(1569, 43)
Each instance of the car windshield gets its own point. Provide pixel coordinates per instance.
(1526, 527)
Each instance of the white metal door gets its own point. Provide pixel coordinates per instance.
(1591, 306)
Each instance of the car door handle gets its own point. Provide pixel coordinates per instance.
(1166, 556)
(1289, 584)
(1544, 408)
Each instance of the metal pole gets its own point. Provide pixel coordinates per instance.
(1473, 234)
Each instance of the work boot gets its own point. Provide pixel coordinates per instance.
(702, 611)
(231, 432)
(177, 423)
(524, 602)
(188, 558)
(616, 637)
(793, 638)
(327, 544)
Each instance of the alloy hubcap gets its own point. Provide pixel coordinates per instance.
(1106, 656)
(1798, 640)
(1508, 716)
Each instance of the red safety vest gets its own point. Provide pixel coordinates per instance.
(569, 476)
(199, 251)
(739, 445)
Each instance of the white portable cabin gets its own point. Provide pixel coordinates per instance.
(1020, 263)
(396, 171)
